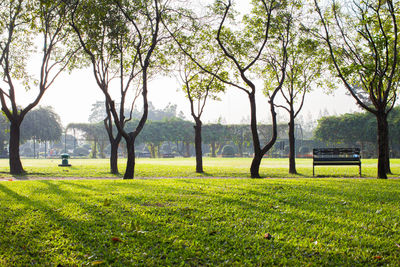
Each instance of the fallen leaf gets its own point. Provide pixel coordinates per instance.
(377, 257)
(107, 202)
(97, 262)
(267, 236)
(116, 239)
(212, 232)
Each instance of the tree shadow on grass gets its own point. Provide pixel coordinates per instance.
(77, 233)
(27, 175)
(158, 228)
(24, 176)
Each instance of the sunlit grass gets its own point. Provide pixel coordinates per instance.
(196, 222)
(185, 167)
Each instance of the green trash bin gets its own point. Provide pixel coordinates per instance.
(64, 162)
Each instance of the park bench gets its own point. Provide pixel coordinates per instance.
(336, 156)
(168, 155)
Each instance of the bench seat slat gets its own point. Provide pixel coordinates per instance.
(337, 159)
(337, 163)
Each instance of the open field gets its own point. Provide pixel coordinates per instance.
(195, 222)
(185, 167)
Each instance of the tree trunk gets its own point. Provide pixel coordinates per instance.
(187, 145)
(15, 160)
(198, 148)
(94, 150)
(34, 148)
(255, 165)
(383, 138)
(177, 148)
(259, 151)
(130, 164)
(114, 156)
(101, 149)
(213, 149)
(292, 145)
(152, 151)
(387, 161)
(240, 149)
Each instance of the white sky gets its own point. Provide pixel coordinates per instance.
(72, 96)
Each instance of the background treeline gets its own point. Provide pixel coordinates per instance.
(358, 130)
(168, 134)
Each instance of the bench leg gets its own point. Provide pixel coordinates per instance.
(313, 170)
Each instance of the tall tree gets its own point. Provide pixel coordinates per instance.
(128, 33)
(24, 24)
(215, 134)
(304, 66)
(243, 45)
(42, 124)
(199, 87)
(363, 42)
(240, 135)
(94, 132)
(103, 35)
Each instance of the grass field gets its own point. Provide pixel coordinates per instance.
(195, 222)
(332, 221)
(185, 167)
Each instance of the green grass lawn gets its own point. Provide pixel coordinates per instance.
(195, 222)
(185, 167)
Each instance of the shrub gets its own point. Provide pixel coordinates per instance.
(81, 151)
(228, 151)
(304, 150)
(28, 152)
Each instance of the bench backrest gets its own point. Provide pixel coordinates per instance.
(336, 152)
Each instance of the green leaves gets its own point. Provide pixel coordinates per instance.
(41, 124)
(362, 40)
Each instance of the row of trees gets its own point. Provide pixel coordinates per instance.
(179, 131)
(278, 48)
(41, 125)
(357, 129)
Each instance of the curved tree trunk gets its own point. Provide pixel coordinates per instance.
(114, 154)
(255, 165)
(259, 151)
(197, 145)
(130, 164)
(383, 143)
(292, 146)
(15, 160)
